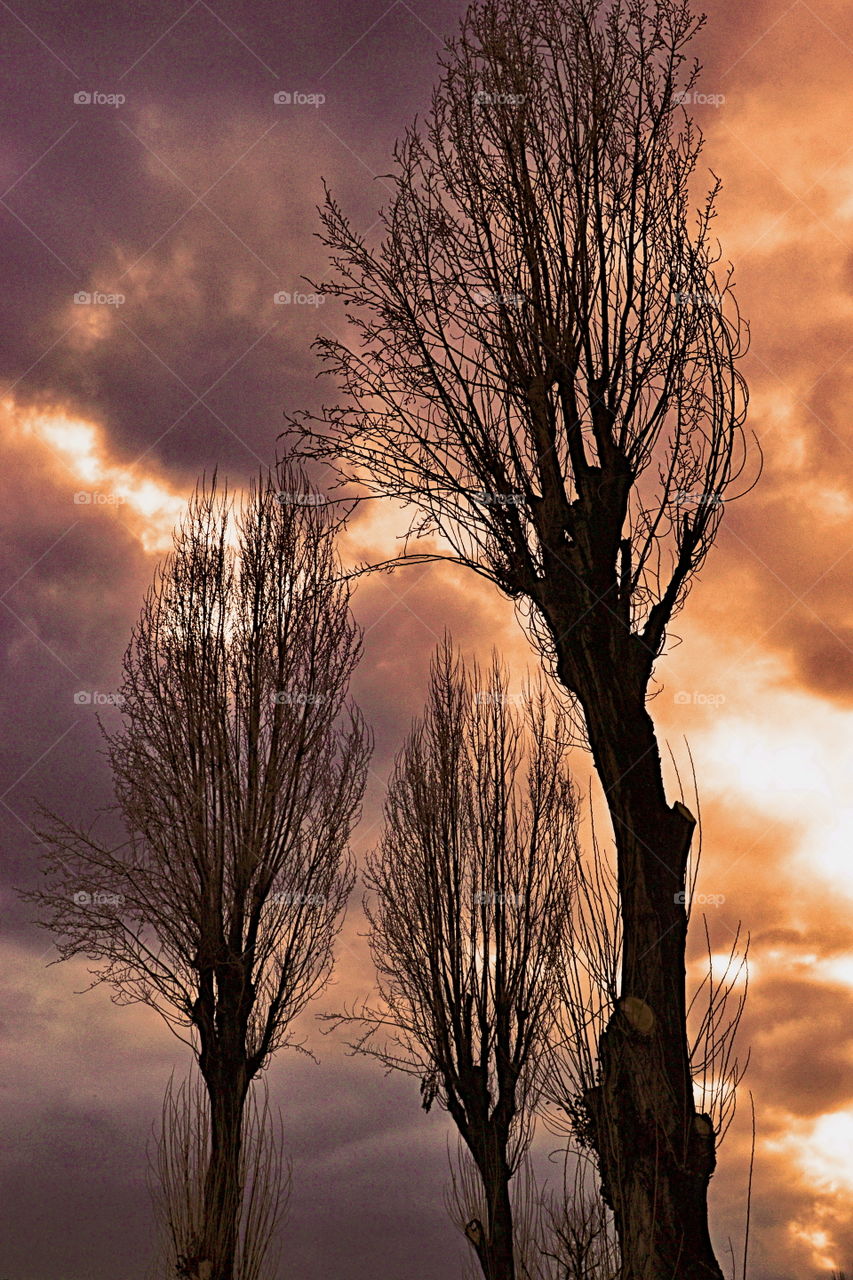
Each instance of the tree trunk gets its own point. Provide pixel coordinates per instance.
(227, 1087)
(501, 1250)
(495, 1243)
(656, 1155)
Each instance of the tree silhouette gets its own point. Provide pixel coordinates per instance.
(473, 888)
(238, 775)
(545, 369)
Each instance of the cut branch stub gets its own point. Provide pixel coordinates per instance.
(474, 1232)
(689, 822)
(639, 1015)
(702, 1157)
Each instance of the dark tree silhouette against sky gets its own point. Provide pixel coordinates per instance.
(238, 774)
(545, 367)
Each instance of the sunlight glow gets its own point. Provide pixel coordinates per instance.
(792, 763)
(818, 1241)
(821, 1148)
(145, 505)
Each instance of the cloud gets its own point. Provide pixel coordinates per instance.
(193, 369)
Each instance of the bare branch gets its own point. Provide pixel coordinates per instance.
(473, 884)
(238, 775)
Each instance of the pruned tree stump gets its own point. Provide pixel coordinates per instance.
(640, 1016)
(474, 1232)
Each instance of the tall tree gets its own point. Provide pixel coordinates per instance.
(545, 368)
(238, 774)
(473, 886)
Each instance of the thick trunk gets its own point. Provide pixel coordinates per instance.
(656, 1154)
(501, 1253)
(494, 1242)
(221, 1014)
(223, 1190)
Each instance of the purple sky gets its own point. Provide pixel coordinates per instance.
(194, 200)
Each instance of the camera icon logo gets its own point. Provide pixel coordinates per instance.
(282, 99)
(83, 698)
(82, 298)
(82, 498)
(682, 698)
(282, 298)
(83, 899)
(82, 98)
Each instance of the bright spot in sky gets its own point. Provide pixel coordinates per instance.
(725, 966)
(838, 969)
(792, 761)
(821, 1148)
(819, 1241)
(145, 505)
(75, 440)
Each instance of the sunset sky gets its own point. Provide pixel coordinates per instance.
(184, 197)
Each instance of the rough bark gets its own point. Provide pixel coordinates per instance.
(494, 1242)
(502, 1250)
(656, 1154)
(227, 1074)
(222, 1192)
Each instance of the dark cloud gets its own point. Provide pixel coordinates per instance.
(105, 198)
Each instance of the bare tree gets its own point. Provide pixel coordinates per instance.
(238, 774)
(545, 368)
(472, 884)
(177, 1177)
